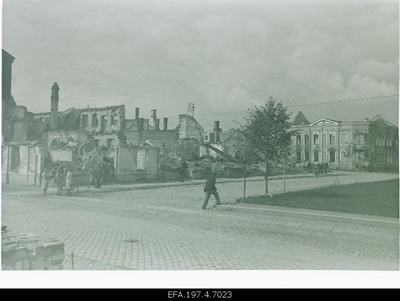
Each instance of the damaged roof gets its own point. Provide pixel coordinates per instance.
(67, 120)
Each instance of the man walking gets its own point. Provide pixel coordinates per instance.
(210, 188)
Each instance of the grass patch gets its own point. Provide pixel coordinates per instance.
(375, 198)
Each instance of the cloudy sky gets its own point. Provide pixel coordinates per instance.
(221, 55)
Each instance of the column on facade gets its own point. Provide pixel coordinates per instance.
(338, 144)
(322, 144)
(310, 141)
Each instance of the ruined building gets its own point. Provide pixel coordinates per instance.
(21, 151)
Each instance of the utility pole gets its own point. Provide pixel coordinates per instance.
(284, 174)
(244, 182)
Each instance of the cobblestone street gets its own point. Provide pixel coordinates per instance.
(165, 229)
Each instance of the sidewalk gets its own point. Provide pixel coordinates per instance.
(190, 182)
(111, 187)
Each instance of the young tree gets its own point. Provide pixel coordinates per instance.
(268, 131)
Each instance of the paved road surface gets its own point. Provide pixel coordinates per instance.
(165, 229)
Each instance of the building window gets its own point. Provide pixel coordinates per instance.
(113, 120)
(141, 160)
(343, 138)
(332, 156)
(95, 121)
(298, 140)
(342, 155)
(316, 139)
(316, 156)
(307, 156)
(109, 142)
(103, 125)
(332, 139)
(298, 156)
(306, 139)
(84, 121)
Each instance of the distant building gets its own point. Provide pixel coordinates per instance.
(344, 145)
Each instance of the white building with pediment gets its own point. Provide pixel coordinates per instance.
(346, 144)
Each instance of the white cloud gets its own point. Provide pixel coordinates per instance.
(222, 56)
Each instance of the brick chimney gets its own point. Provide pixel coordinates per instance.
(136, 113)
(165, 124)
(157, 124)
(216, 132)
(54, 107)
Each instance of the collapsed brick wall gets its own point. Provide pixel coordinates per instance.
(30, 252)
(165, 140)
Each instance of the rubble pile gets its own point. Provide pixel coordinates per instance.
(170, 160)
(30, 252)
(82, 164)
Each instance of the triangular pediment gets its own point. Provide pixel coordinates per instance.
(324, 121)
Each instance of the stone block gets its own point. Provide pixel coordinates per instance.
(53, 245)
(13, 255)
(29, 252)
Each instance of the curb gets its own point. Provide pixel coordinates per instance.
(106, 189)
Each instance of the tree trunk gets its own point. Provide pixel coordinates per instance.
(266, 176)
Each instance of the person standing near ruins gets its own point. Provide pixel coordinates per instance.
(59, 179)
(91, 175)
(45, 181)
(68, 181)
(183, 169)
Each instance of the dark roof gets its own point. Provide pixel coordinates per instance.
(379, 117)
(300, 119)
(67, 120)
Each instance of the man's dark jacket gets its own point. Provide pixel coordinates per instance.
(210, 184)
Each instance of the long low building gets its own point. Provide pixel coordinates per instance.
(346, 144)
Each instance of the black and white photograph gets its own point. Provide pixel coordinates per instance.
(209, 144)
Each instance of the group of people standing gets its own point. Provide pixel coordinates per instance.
(62, 179)
(320, 168)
